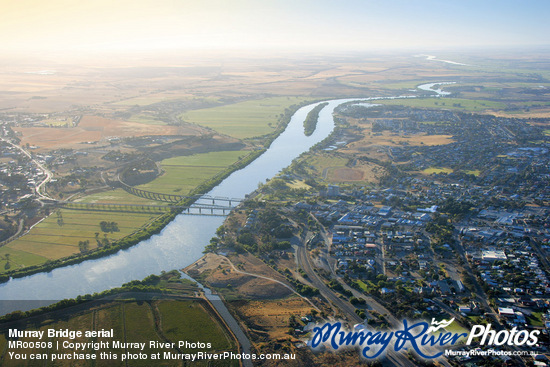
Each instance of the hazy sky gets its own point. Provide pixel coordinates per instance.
(90, 25)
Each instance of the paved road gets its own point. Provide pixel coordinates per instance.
(392, 358)
(47, 172)
(305, 263)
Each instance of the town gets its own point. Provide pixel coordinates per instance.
(457, 230)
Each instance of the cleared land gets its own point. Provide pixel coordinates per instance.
(270, 318)
(216, 271)
(335, 169)
(95, 129)
(261, 304)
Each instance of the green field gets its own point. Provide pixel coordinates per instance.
(156, 98)
(547, 132)
(55, 238)
(244, 119)
(322, 162)
(400, 85)
(58, 122)
(474, 172)
(118, 196)
(182, 174)
(187, 320)
(433, 170)
(446, 103)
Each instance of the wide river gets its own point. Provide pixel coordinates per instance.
(182, 241)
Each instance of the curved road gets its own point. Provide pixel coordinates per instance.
(47, 172)
(392, 358)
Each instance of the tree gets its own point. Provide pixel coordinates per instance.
(83, 245)
(109, 226)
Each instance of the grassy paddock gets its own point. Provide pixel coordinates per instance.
(244, 119)
(183, 174)
(322, 162)
(188, 320)
(58, 236)
(131, 321)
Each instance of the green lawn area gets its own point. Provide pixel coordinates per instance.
(244, 119)
(118, 196)
(547, 132)
(364, 287)
(474, 172)
(432, 170)
(535, 319)
(446, 103)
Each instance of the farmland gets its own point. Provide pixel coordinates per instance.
(143, 321)
(245, 119)
(182, 174)
(59, 234)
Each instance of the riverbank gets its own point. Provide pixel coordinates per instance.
(182, 241)
(158, 224)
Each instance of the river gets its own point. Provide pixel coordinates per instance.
(182, 241)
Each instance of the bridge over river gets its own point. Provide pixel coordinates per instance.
(171, 198)
(202, 204)
(195, 208)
